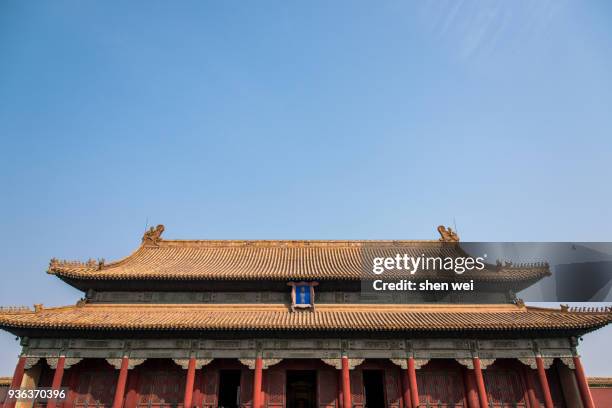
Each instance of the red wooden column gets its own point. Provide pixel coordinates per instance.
(482, 392)
(583, 386)
(121, 381)
(57, 380)
(257, 382)
(412, 381)
(533, 400)
(471, 392)
(346, 383)
(548, 403)
(189, 383)
(17, 378)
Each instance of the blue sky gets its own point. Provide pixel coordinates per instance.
(355, 120)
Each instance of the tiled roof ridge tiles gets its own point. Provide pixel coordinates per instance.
(278, 317)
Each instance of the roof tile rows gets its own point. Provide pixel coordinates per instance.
(326, 317)
(275, 260)
(600, 382)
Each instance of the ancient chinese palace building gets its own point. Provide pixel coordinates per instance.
(284, 324)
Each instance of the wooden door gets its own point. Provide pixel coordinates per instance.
(95, 388)
(392, 387)
(441, 388)
(276, 385)
(161, 389)
(505, 387)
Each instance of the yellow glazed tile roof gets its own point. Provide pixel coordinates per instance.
(600, 382)
(346, 317)
(159, 259)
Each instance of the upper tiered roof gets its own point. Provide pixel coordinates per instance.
(158, 259)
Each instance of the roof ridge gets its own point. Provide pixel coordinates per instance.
(294, 240)
(153, 237)
(15, 309)
(589, 309)
(575, 310)
(56, 265)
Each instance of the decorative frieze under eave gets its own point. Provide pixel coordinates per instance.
(403, 363)
(132, 362)
(329, 350)
(51, 361)
(469, 362)
(30, 362)
(199, 363)
(337, 362)
(333, 362)
(266, 363)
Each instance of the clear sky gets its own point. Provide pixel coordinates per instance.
(344, 119)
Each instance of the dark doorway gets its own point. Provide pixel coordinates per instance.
(373, 389)
(301, 389)
(229, 389)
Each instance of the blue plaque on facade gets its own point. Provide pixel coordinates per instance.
(302, 295)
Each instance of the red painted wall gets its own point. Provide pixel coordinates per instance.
(3, 391)
(602, 397)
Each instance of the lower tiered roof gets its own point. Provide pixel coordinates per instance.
(327, 317)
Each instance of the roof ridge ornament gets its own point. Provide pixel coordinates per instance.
(55, 263)
(14, 309)
(153, 235)
(447, 234)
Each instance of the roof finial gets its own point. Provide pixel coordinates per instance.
(153, 235)
(447, 234)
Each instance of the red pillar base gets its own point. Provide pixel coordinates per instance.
(548, 403)
(471, 391)
(17, 378)
(189, 383)
(121, 381)
(583, 385)
(257, 379)
(346, 383)
(414, 389)
(57, 379)
(482, 392)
